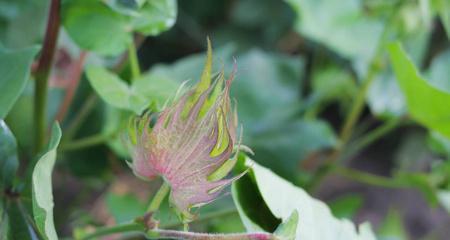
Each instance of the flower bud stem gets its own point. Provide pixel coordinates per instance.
(164, 234)
(159, 197)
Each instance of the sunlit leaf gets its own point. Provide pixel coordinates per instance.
(315, 218)
(426, 103)
(42, 188)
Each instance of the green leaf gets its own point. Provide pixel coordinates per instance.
(42, 188)
(155, 16)
(19, 225)
(392, 227)
(426, 103)
(124, 207)
(107, 27)
(114, 90)
(129, 7)
(8, 156)
(318, 20)
(385, 97)
(157, 89)
(96, 27)
(316, 220)
(145, 91)
(15, 67)
(4, 221)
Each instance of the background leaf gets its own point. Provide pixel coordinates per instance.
(96, 27)
(15, 67)
(155, 16)
(426, 103)
(8, 156)
(42, 188)
(340, 19)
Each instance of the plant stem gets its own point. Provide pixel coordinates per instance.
(121, 228)
(159, 197)
(42, 74)
(369, 178)
(74, 78)
(164, 234)
(87, 142)
(373, 136)
(134, 62)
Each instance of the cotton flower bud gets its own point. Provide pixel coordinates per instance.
(191, 143)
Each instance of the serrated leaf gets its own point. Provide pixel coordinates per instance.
(15, 67)
(316, 220)
(427, 104)
(42, 188)
(8, 156)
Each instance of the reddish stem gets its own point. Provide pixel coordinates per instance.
(74, 79)
(43, 72)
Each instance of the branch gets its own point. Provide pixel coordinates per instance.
(42, 73)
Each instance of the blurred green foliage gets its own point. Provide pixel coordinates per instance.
(303, 67)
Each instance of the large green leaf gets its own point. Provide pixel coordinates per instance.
(96, 27)
(15, 16)
(42, 188)
(426, 103)
(8, 156)
(15, 67)
(107, 27)
(316, 220)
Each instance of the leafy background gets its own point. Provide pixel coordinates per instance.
(302, 67)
